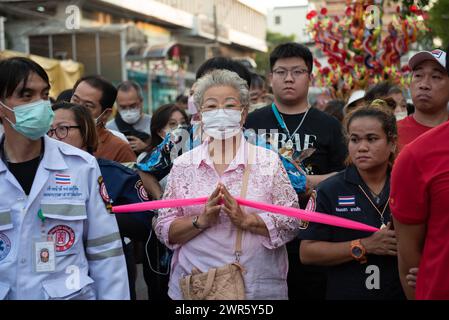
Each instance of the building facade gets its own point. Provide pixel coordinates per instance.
(158, 43)
(290, 20)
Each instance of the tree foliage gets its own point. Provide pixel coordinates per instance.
(439, 20)
(263, 58)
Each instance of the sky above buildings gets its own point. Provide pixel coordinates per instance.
(264, 5)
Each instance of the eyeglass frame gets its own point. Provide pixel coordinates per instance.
(302, 71)
(52, 131)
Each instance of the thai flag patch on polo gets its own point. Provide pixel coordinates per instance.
(63, 179)
(346, 201)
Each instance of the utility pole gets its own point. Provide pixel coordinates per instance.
(216, 46)
(2, 33)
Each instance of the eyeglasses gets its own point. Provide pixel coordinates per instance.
(296, 73)
(61, 132)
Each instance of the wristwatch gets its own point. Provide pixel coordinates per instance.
(358, 251)
(195, 223)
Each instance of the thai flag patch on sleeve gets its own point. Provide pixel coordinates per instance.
(346, 201)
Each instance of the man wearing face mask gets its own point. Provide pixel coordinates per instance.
(52, 200)
(130, 119)
(98, 95)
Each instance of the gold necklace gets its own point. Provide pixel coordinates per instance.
(380, 213)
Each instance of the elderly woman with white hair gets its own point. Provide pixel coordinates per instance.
(204, 236)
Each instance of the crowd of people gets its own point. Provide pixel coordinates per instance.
(65, 163)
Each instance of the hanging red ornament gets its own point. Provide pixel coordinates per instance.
(325, 70)
(348, 11)
(323, 11)
(345, 69)
(413, 8)
(358, 59)
(311, 15)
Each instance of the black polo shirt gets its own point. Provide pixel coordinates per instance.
(341, 196)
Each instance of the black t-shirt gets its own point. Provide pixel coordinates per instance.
(319, 130)
(341, 196)
(25, 172)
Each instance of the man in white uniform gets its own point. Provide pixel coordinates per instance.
(57, 239)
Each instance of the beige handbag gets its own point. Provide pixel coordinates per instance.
(223, 283)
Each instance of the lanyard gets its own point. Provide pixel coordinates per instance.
(280, 119)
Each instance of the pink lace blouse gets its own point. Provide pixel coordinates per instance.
(264, 258)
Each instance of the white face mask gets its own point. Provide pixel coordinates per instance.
(220, 124)
(130, 116)
(400, 115)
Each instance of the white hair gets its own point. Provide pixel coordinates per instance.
(218, 78)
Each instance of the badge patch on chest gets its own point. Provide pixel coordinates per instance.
(141, 192)
(64, 237)
(5, 246)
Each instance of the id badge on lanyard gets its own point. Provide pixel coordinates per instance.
(44, 250)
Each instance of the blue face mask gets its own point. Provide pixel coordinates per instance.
(33, 120)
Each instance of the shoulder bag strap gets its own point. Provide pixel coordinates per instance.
(238, 242)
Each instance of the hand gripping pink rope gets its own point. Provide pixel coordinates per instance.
(291, 212)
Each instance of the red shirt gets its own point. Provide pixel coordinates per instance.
(408, 130)
(420, 195)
